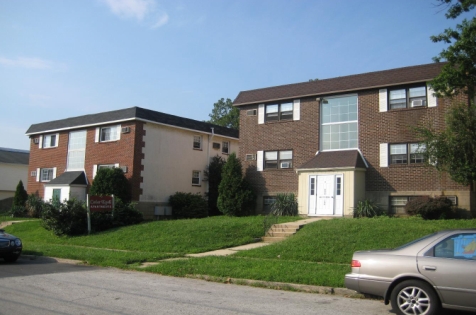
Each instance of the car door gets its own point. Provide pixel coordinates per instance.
(451, 265)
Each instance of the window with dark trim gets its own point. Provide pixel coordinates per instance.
(196, 178)
(225, 148)
(278, 159)
(267, 203)
(197, 142)
(109, 133)
(407, 97)
(46, 174)
(407, 153)
(281, 111)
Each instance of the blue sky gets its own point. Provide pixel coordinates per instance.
(61, 59)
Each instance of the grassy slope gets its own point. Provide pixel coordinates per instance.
(319, 254)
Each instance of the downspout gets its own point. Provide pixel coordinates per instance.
(210, 138)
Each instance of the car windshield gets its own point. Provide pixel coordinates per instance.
(416, 241)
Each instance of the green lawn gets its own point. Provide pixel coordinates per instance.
(319, 254)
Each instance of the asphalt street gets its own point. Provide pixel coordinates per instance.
(45, 286)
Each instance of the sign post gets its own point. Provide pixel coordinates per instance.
(99, 204)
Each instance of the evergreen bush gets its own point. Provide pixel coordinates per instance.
(20, 196)
(111, 181)
(188, 205)
(431, 208)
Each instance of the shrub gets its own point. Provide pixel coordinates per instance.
(285, 205)
(367, 209)
(431, 208)
(20, 196)
(126, 214)
(235, 197)
(18, 212)
(34, 206)
(68, 218)
(111, 181)
(188, 205)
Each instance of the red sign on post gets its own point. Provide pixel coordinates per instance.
(101, 203)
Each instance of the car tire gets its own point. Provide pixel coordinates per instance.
(11, 259)
(415, 297)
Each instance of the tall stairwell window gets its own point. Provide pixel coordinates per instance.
(76, 150)
(339, 124)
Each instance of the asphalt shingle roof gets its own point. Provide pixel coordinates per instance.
(349, 83)
(13, 156)
(132, 113)
(70, 178)
(335, 159)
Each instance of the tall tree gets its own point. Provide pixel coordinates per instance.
(213, 176)
(20, 196)
(225, 114)
(453, 150)
(235, 198)
(459, 74)
(111, 181)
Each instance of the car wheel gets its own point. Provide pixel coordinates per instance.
(415, 297)
(11, 259)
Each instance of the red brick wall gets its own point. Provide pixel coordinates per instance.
(127, 152)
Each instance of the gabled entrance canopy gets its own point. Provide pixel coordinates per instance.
(67, 186)
(331, 183)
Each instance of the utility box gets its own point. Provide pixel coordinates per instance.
(162, 210)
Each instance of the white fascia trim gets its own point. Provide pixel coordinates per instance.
(362, 156)
(188, 129)
(330, 169)
(104, 123)
(355, 90)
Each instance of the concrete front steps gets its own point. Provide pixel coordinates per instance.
(279, 232)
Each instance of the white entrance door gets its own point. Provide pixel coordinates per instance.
(325, 195)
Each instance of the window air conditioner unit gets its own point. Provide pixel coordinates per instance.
(33, 174)
(36, 140)
(126, 129)
(124, 169)
(250, 157)
(251, 112)
(417, 103)
(453, 199)
(285, 165)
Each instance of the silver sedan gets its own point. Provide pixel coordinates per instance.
(421, 277)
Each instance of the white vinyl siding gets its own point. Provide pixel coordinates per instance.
(297, 110)
(382, 97)
(383, 154)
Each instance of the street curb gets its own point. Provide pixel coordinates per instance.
(51, 259)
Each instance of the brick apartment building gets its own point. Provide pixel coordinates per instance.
(161, 154)
(336, 141)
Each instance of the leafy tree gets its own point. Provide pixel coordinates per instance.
(453, 149)
(111, 181)
(213, 175)
(459, 74)
(225, 114)
(20, 196)
(235, 197)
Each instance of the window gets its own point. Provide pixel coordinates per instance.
(49, 141)
(196, 178)
(47, 174)
(283, 111)
(225, 148)
(459, 246)
(76, 150)
(402, 153)
(197, 142)
(110, 133)
(57, 194)
(267, 203)
(339, 129)
(106, 166)
(407, 97)
(278, 159)
(398, 203)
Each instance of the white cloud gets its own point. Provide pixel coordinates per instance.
(29, 63)
(163, 19)
(136, 9)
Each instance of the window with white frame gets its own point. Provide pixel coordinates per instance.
(407, 97)
(196, 178)
(100, 166)
(225, 148)
(50, 141)
(110, 133)
(197, 142)
(278, 159)
(46, 174)
(405, 153)
(281, 111)
(76, 150)
(339, 124)
(398, 203)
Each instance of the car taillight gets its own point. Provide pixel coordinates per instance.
(355, 263)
